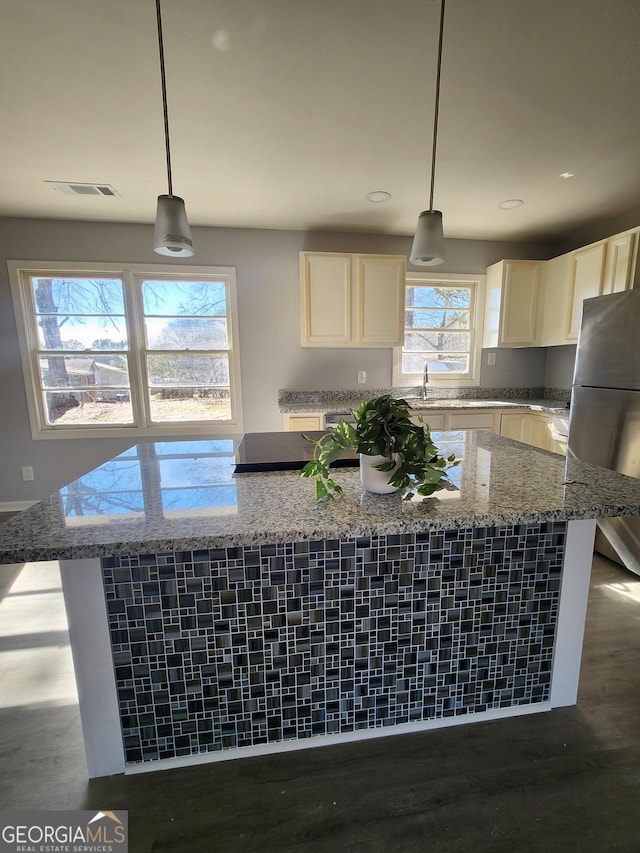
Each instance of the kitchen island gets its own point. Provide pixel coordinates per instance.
(214, 615)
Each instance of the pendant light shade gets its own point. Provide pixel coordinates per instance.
(172, 235)
(428, 243)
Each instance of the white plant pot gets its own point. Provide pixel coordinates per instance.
(377, 481)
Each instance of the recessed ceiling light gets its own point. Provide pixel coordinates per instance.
(510, 203)
(567, 175)
(377, 196)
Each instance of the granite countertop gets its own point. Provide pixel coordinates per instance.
(166, 496)
(332, 402)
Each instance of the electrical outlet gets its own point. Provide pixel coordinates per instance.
(27, 472)
(491, 358)
(362, 377)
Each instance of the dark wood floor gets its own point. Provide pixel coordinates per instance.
(566, 781)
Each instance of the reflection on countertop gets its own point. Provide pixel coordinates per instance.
(183, 495)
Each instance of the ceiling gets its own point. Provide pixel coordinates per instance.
(286, 113)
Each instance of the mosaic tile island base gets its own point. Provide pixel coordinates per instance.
(213, 616)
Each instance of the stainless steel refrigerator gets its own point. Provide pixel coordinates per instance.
(604, 423)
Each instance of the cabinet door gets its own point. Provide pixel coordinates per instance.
(554, 300)
(587, 276)
(511, 304)
(519, 303)
(325, 296)
(539, 431)
(379, 300)
(472, 420)
(306, 423)
(618, 273)
(434, 420)
(512, 425)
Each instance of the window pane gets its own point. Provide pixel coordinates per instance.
(427, 296)
(178, 298)
(84, 372)
(438, 328)
(437, 341)
(187, 333)
(79, 333)
(187, 370)
(189, 404)
(436, 318)
(78, 295)
(64, 408)
(449, 363)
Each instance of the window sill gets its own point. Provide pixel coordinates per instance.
(206, 429)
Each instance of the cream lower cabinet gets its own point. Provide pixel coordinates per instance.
(512, 425)
(302, 422)
(351, 300)
(447, 419)
(535, 428)
(539, 430)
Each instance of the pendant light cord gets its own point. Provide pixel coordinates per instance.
(437, 107)
(164, 97)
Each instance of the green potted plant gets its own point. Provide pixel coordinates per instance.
(395, 453)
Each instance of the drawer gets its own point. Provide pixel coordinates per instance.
(471, 420)
(433, 420)
(298, 423)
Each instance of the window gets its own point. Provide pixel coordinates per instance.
(441, 330)
(129, 351)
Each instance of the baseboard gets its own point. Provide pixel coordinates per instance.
(15, 506)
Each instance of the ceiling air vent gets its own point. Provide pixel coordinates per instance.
(68, 188)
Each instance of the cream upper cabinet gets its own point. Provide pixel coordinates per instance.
(325, 294)
(351, 300)
(511, 304)
(587, 280)
(620, 262)
(554, 300)
(607, 266)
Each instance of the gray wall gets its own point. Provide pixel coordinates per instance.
(514, 368)
(268, 297)
(597, 229)
(559, 366)
(530, 367)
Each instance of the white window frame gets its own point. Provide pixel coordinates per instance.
(20, 273)
(452, 380)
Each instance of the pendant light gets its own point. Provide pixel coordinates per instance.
(172, 235)
(428, 244)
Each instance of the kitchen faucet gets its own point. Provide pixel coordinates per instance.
(425, 380)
